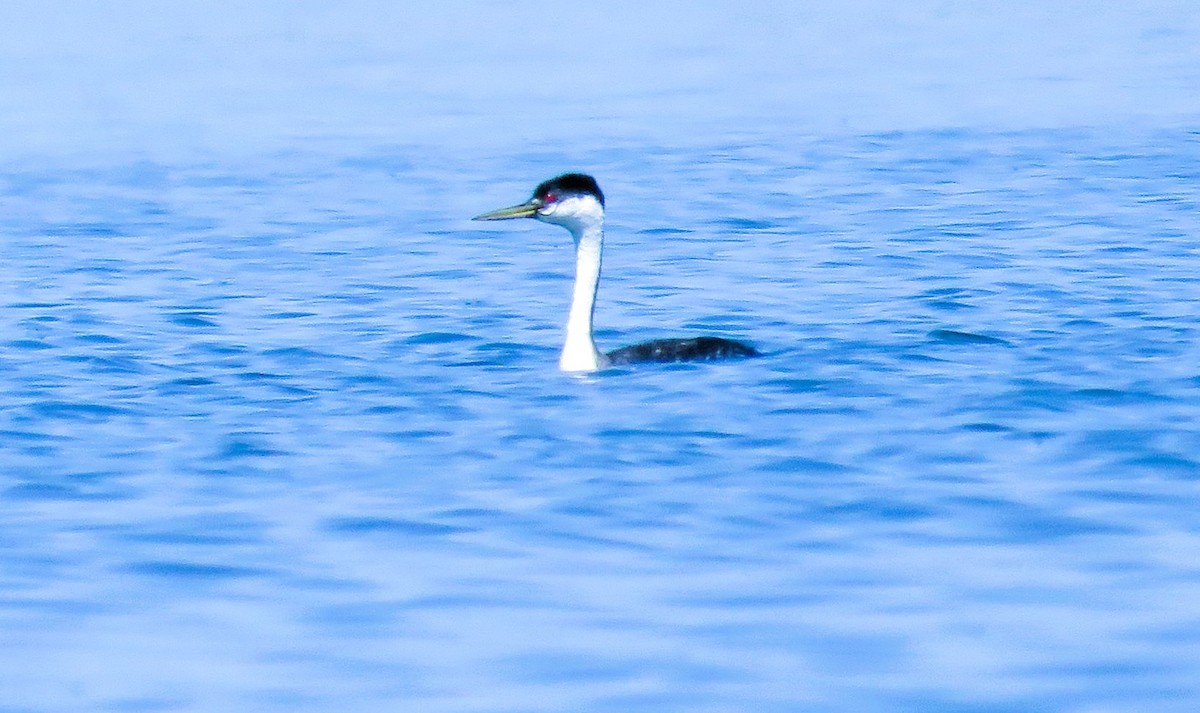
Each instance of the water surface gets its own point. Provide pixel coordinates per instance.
(290, 436)
(282, 430)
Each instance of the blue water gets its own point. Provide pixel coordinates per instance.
(282, 429)
(291, 436)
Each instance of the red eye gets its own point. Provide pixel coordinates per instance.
(550, 198)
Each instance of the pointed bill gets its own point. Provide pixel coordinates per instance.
(526, 210)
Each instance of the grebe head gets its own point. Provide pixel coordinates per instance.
(572, 200)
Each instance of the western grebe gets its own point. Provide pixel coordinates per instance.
(574, 201)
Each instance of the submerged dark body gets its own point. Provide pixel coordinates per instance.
(671, 350)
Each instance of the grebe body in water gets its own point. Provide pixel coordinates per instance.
(574, 201)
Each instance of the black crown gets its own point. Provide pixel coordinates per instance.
(576, 183)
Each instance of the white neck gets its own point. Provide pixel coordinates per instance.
(579, 351)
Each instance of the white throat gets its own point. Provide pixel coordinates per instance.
(579, 351)
(585, 220)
